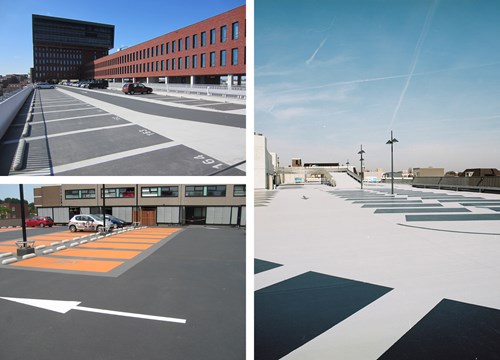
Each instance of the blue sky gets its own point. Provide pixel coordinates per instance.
(331, 75)
(12, 191)
(135, 21)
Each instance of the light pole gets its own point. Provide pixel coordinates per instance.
(392, 141)
(361, 152)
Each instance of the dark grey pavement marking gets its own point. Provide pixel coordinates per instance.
(483, 203)
(291, 313)
(129, 102)
(450, 231)
(78, 147)
(497, 209)
(177, 160)
(467, 199)
(458, 217)
(263, 265)
(394, 201)
(400, 205)
(422, 210)
(452, 330)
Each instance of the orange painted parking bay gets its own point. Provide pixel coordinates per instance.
(99, 256)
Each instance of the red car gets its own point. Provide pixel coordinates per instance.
(41, 221)
(133, 88)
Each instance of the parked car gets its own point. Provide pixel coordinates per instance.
(114, 220)
(41, 221)
(98, 84)
(85, 222)
(45, 85)
(133, 88)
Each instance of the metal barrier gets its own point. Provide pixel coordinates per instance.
(474, 183)
(207, 90)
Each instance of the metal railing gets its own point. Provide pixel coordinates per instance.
(207, 90)
(474, 183)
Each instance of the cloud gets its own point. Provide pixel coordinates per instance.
(311, 59)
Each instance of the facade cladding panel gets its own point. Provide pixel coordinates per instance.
(180, 52)
(61, 47)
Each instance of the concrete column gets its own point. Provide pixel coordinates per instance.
(229, 82)
(192, 80)
(147, 80)
(166, 83)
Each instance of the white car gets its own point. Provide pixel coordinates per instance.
(85, 222)
(45, 85)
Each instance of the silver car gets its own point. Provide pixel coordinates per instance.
(84, 222)
(45, 85)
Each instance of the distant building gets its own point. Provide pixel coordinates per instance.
(61, 47)
(150, 204)
(480, 172)
(263, 163)
(14, 210)
(296, 162)
(429, 171)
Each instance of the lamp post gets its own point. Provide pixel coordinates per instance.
(361, 152)
(392, 141)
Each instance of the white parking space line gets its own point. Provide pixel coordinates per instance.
(102, 159)
(69, 118)
(56, 111)
(70, 133)
(44, 106)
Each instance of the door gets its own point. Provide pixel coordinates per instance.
(148, 216)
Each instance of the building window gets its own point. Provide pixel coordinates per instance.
(168, 48)
(187, 43)
(203, 38)
(212, 59)
(234, 56)
(148, 53)
(186, 60)
(161, 191)
(203, 60)
(223, 58)
(235, 29)
(79, 194)
(212, 36)
(162, 65)
(195, 61)
(156, 69)
(239, 190)
(180, 44)
(223, 33)
(180, 63)
(168, 64)
(174, 45)
(162, 48)
(128, 192)
(173, 64)
(195, 41)
(206, 191)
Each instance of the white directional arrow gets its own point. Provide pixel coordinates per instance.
(63, 307)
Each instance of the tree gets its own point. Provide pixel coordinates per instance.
(4, 211)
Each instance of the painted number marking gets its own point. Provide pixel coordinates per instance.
(207, 161)
(146, 132)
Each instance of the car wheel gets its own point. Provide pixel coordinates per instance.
(149, 91)
(50, 225)
(131, 92)
(72, 228)
(41, 225)
(98, 229)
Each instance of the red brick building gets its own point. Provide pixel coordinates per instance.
(201, 53)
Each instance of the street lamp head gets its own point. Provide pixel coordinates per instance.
(394, 140)
(361, 152)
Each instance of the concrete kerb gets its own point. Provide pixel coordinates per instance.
(5, 254)
(26, 131)
(17, 164)
(9, 261)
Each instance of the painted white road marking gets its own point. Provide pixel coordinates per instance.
(62, 307)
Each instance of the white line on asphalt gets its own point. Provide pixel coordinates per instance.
(69, 118)
(103, 159)
(55, 111)
(60, 105)
(70, 133)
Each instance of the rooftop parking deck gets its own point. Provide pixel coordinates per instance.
(345, 273)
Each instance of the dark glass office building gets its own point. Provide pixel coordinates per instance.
(61, 47)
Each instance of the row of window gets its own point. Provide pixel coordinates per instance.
(187, 62)
(176, 45)
(57, 55)
(58, 62)
(56, 68)
(157, 191)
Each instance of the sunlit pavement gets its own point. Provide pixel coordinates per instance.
(345, 273)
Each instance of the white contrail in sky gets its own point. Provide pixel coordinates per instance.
(416, 54)
(310, 60)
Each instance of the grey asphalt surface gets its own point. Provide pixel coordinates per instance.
(199, 275)
(70, 137)
(30, 231)
(133, 102)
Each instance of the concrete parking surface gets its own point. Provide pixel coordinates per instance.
(155, 293)
(345, 273)
(104, 132)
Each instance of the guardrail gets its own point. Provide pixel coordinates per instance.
(474, 183)
(11, 106)
(207, 90)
